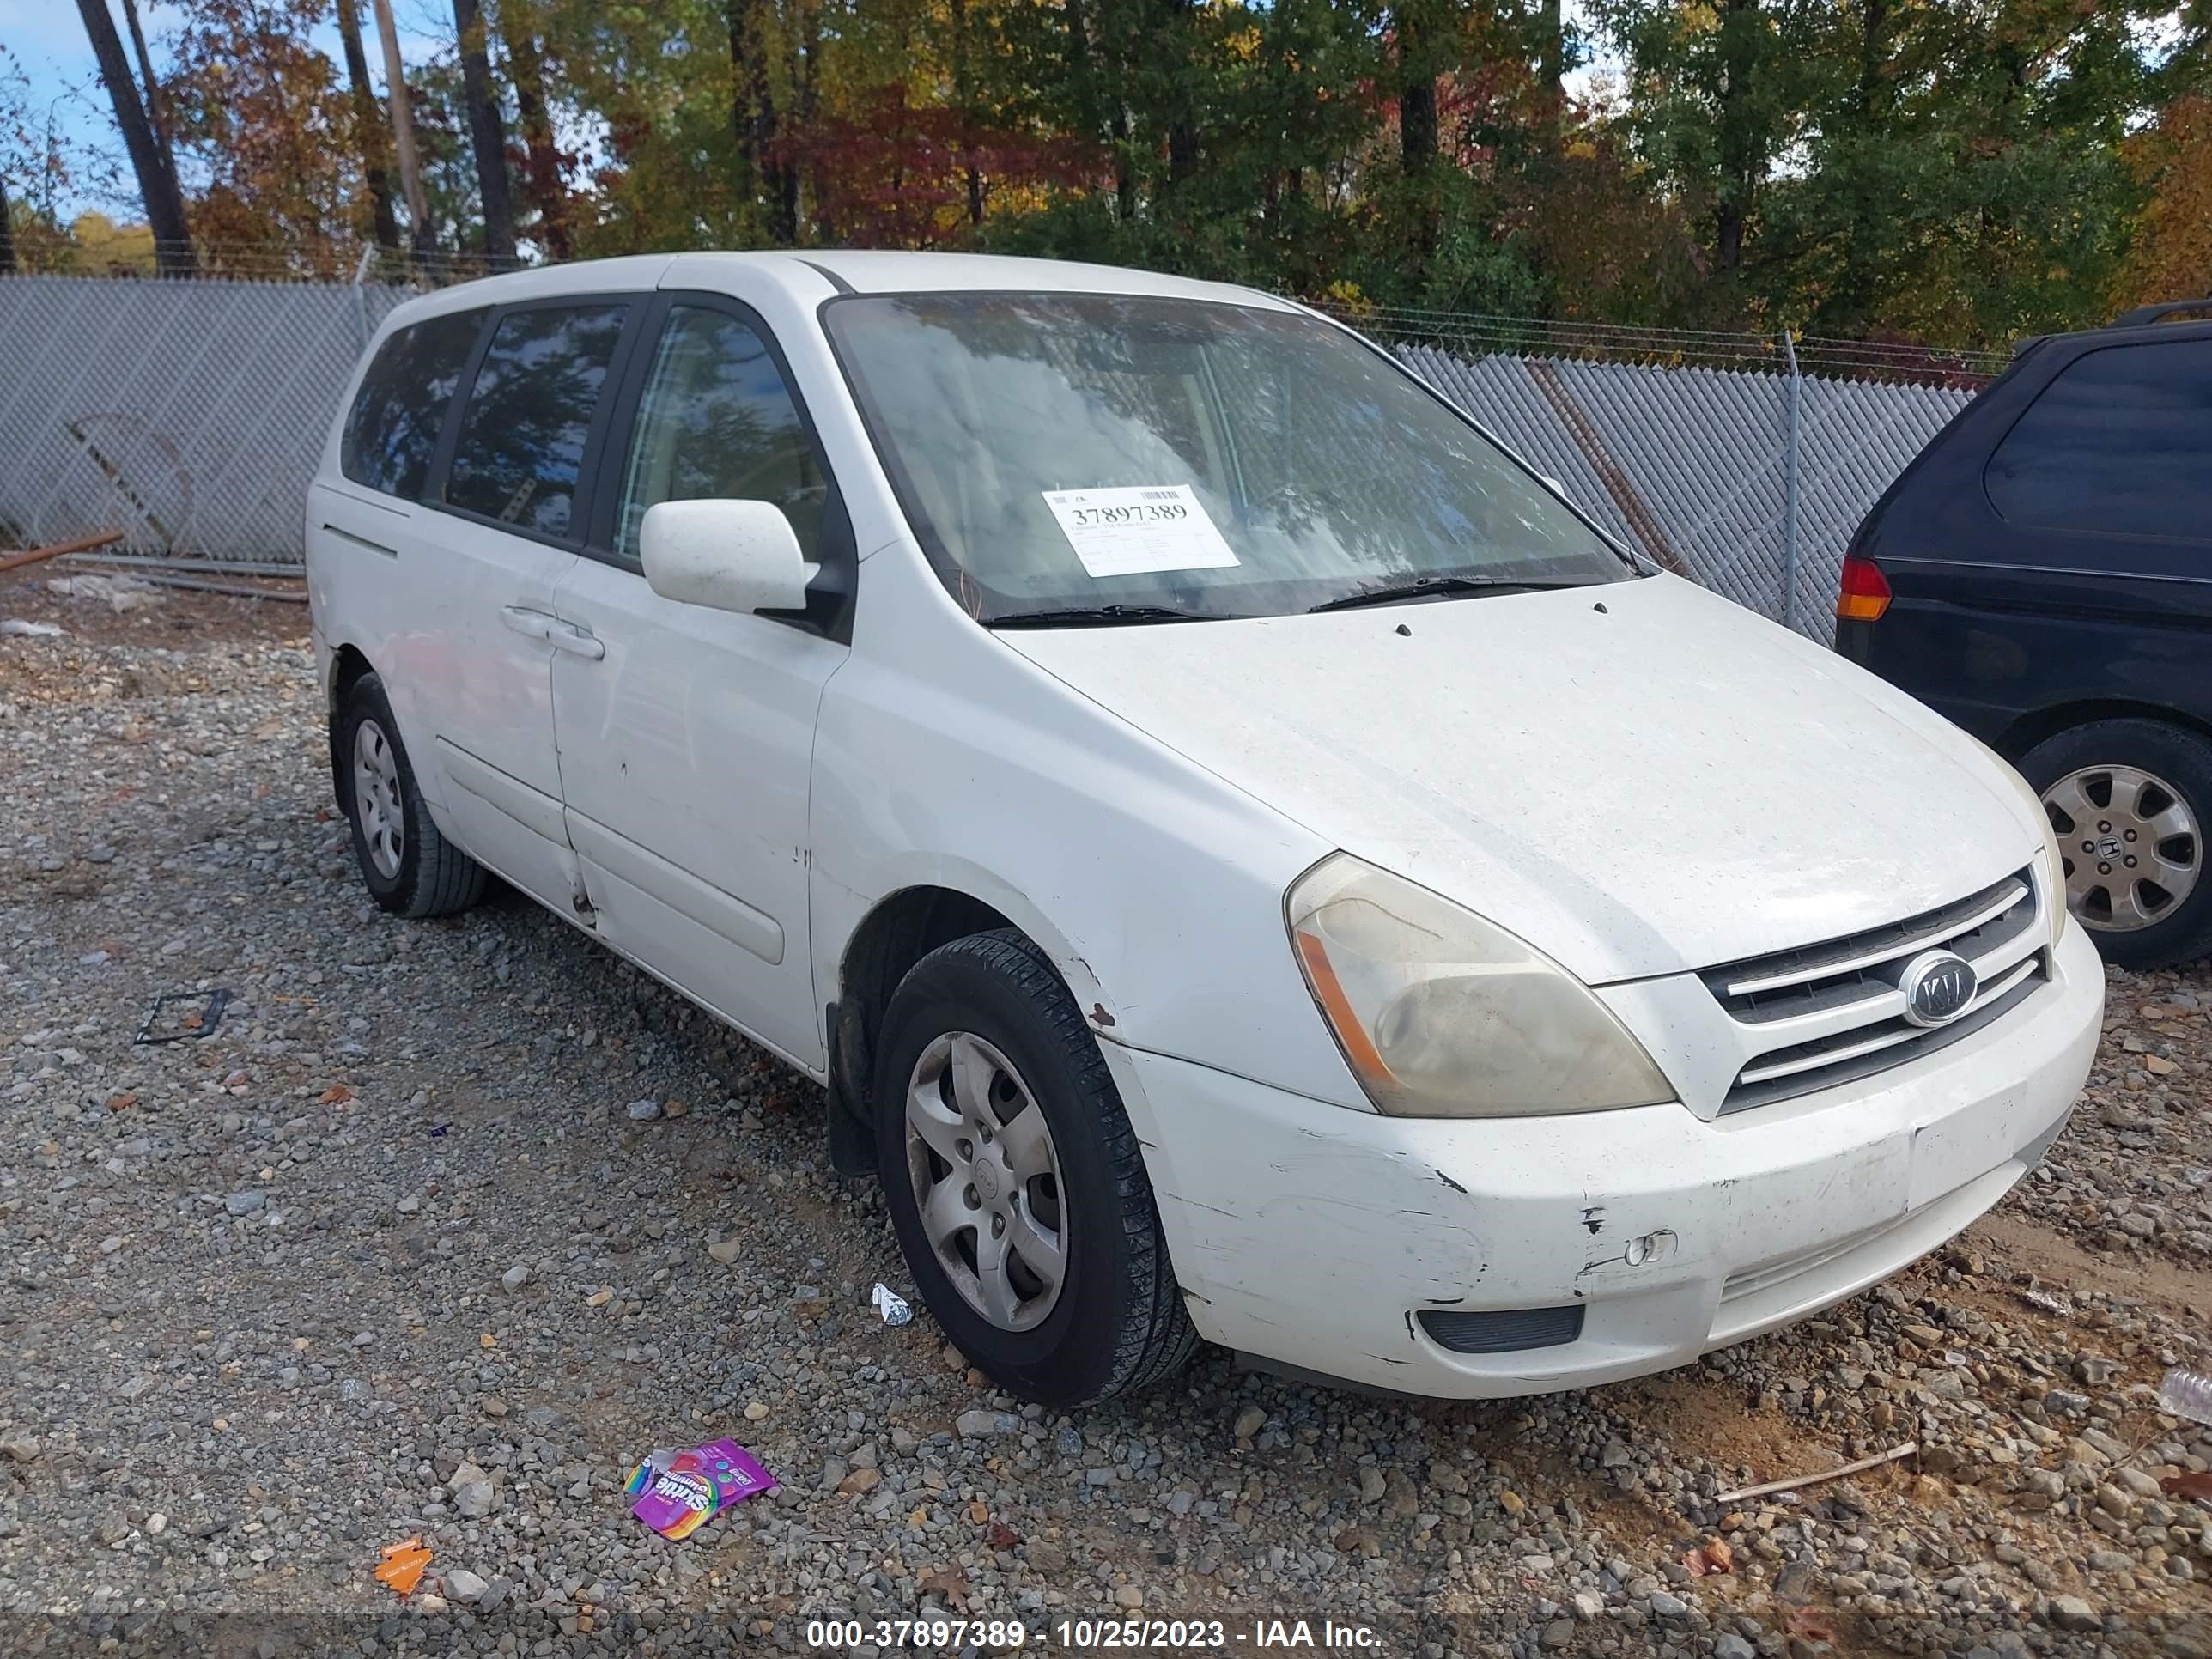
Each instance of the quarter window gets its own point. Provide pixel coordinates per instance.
(2121, 440)
(717, 422)
(521, 443)
(400, 409)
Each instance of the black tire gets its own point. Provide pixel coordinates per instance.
(2181, 760)
(1118, 1323)
(434, 878)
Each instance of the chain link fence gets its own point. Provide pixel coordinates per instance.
(189, 414)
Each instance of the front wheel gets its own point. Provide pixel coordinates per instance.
(1015, 1182)
(2128, 800)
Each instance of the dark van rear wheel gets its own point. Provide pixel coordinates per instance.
(2130, 800)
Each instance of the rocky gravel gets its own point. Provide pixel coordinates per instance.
(444, 1224)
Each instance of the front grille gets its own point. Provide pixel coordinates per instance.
(1831, 1013)
(1505, 1330)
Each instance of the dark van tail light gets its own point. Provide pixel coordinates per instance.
(1865, 592)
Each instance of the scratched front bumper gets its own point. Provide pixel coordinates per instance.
(1312, 1235)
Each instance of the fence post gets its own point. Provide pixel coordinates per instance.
(1789, 486)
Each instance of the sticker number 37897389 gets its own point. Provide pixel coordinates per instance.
(1127, 532)
(1089, 518)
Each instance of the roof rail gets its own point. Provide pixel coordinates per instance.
(2158, 313)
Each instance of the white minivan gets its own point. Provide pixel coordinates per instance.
(1248, 859)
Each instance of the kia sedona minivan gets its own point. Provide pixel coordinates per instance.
(2042, 575)
(1246, 858)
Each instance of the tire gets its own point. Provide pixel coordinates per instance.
(2126, 773)
(990, 1007)
(424, 874)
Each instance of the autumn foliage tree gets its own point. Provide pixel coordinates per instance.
(262, 118)
(1939, 174)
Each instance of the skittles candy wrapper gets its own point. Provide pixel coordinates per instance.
(678, 1492)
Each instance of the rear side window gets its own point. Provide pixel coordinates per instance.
(718, 420)
(2120, 442)
(521, 443)
(400, 409)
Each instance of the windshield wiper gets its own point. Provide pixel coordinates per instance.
(1091, 616)
(1422, 586)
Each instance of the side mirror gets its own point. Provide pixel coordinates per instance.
(1558, 489)
(725, 555)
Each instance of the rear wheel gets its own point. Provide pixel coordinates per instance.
(408, 867)
(2129, 800)
(1015, 1182)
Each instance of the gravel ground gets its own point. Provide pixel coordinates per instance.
(397, 1250)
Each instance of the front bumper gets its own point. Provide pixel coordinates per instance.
(1313, 1236)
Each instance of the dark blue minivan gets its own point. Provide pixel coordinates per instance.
(2041, 574)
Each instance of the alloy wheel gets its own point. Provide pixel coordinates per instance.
(2132, 850)
(986, 1181)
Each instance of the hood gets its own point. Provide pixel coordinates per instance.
(1636, 779)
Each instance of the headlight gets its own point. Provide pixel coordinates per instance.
(1440, 1014)
(2053, 859)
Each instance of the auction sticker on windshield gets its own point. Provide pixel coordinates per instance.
(1127, 532)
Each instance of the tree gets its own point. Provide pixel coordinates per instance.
(487, 134)
(368, 127)
(1964, 175)
(34, 167)
(544, 164)
(155, 114)
(1417, 69)
(424, 234)
(157, 186)
(259, 109)
(1905, 169)
(2172, 255)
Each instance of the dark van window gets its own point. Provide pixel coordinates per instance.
(522, 435)
(2120, 442)
(717, 421)
(400, 409)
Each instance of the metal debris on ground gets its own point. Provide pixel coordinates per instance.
(17, 628)
(892, 1305)
(678, 1492)
(1795, 1480)
(41, 555)
(196, 1022)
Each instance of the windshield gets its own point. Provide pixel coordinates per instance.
(1140, 458)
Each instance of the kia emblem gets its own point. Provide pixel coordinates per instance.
(1939, 986)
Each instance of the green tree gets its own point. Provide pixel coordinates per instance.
(1716, 97)
(1964, 178)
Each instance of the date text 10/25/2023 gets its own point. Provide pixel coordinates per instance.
(1090, 1635)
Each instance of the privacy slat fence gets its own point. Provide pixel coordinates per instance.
(189, 415)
